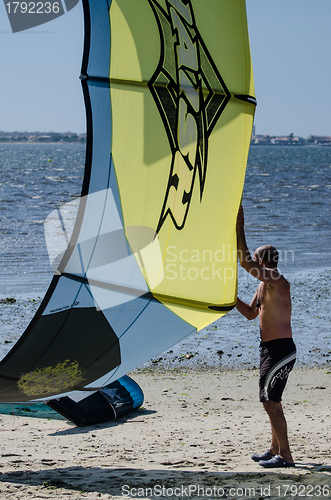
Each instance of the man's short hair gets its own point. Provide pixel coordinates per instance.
(268, 255)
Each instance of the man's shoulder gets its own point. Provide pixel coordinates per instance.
(278, 281)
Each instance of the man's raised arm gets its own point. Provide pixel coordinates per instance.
(270, 276)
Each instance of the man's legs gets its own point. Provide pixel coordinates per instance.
(279, 441)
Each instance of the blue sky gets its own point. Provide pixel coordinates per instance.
(290, 45)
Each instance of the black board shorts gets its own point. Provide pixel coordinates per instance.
(277, 358)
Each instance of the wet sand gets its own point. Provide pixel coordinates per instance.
(232, 341)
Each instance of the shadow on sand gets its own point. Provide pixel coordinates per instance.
(305, 479)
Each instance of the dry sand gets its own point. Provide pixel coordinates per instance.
(192, 439)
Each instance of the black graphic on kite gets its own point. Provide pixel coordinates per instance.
(191, 96)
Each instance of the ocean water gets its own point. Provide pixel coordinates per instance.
(34, 180)
(287, 204)
(287, 198)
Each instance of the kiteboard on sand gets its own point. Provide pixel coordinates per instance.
(169, 96)
(110, 403)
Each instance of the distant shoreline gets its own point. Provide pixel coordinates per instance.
(290, 145)
(42, 137)
(36, 137)
(43, 142)
(83, 141)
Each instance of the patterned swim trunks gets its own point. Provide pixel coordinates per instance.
(277, 358)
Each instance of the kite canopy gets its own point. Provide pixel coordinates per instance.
(169, 96)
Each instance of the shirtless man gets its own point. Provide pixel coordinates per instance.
(272, 303)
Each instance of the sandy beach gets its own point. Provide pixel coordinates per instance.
(200, 422)
(192, 438)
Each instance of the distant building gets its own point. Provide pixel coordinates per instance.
(322, 140)
(44, 138)
(282, 140)
(288, 140)
(261, 139)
